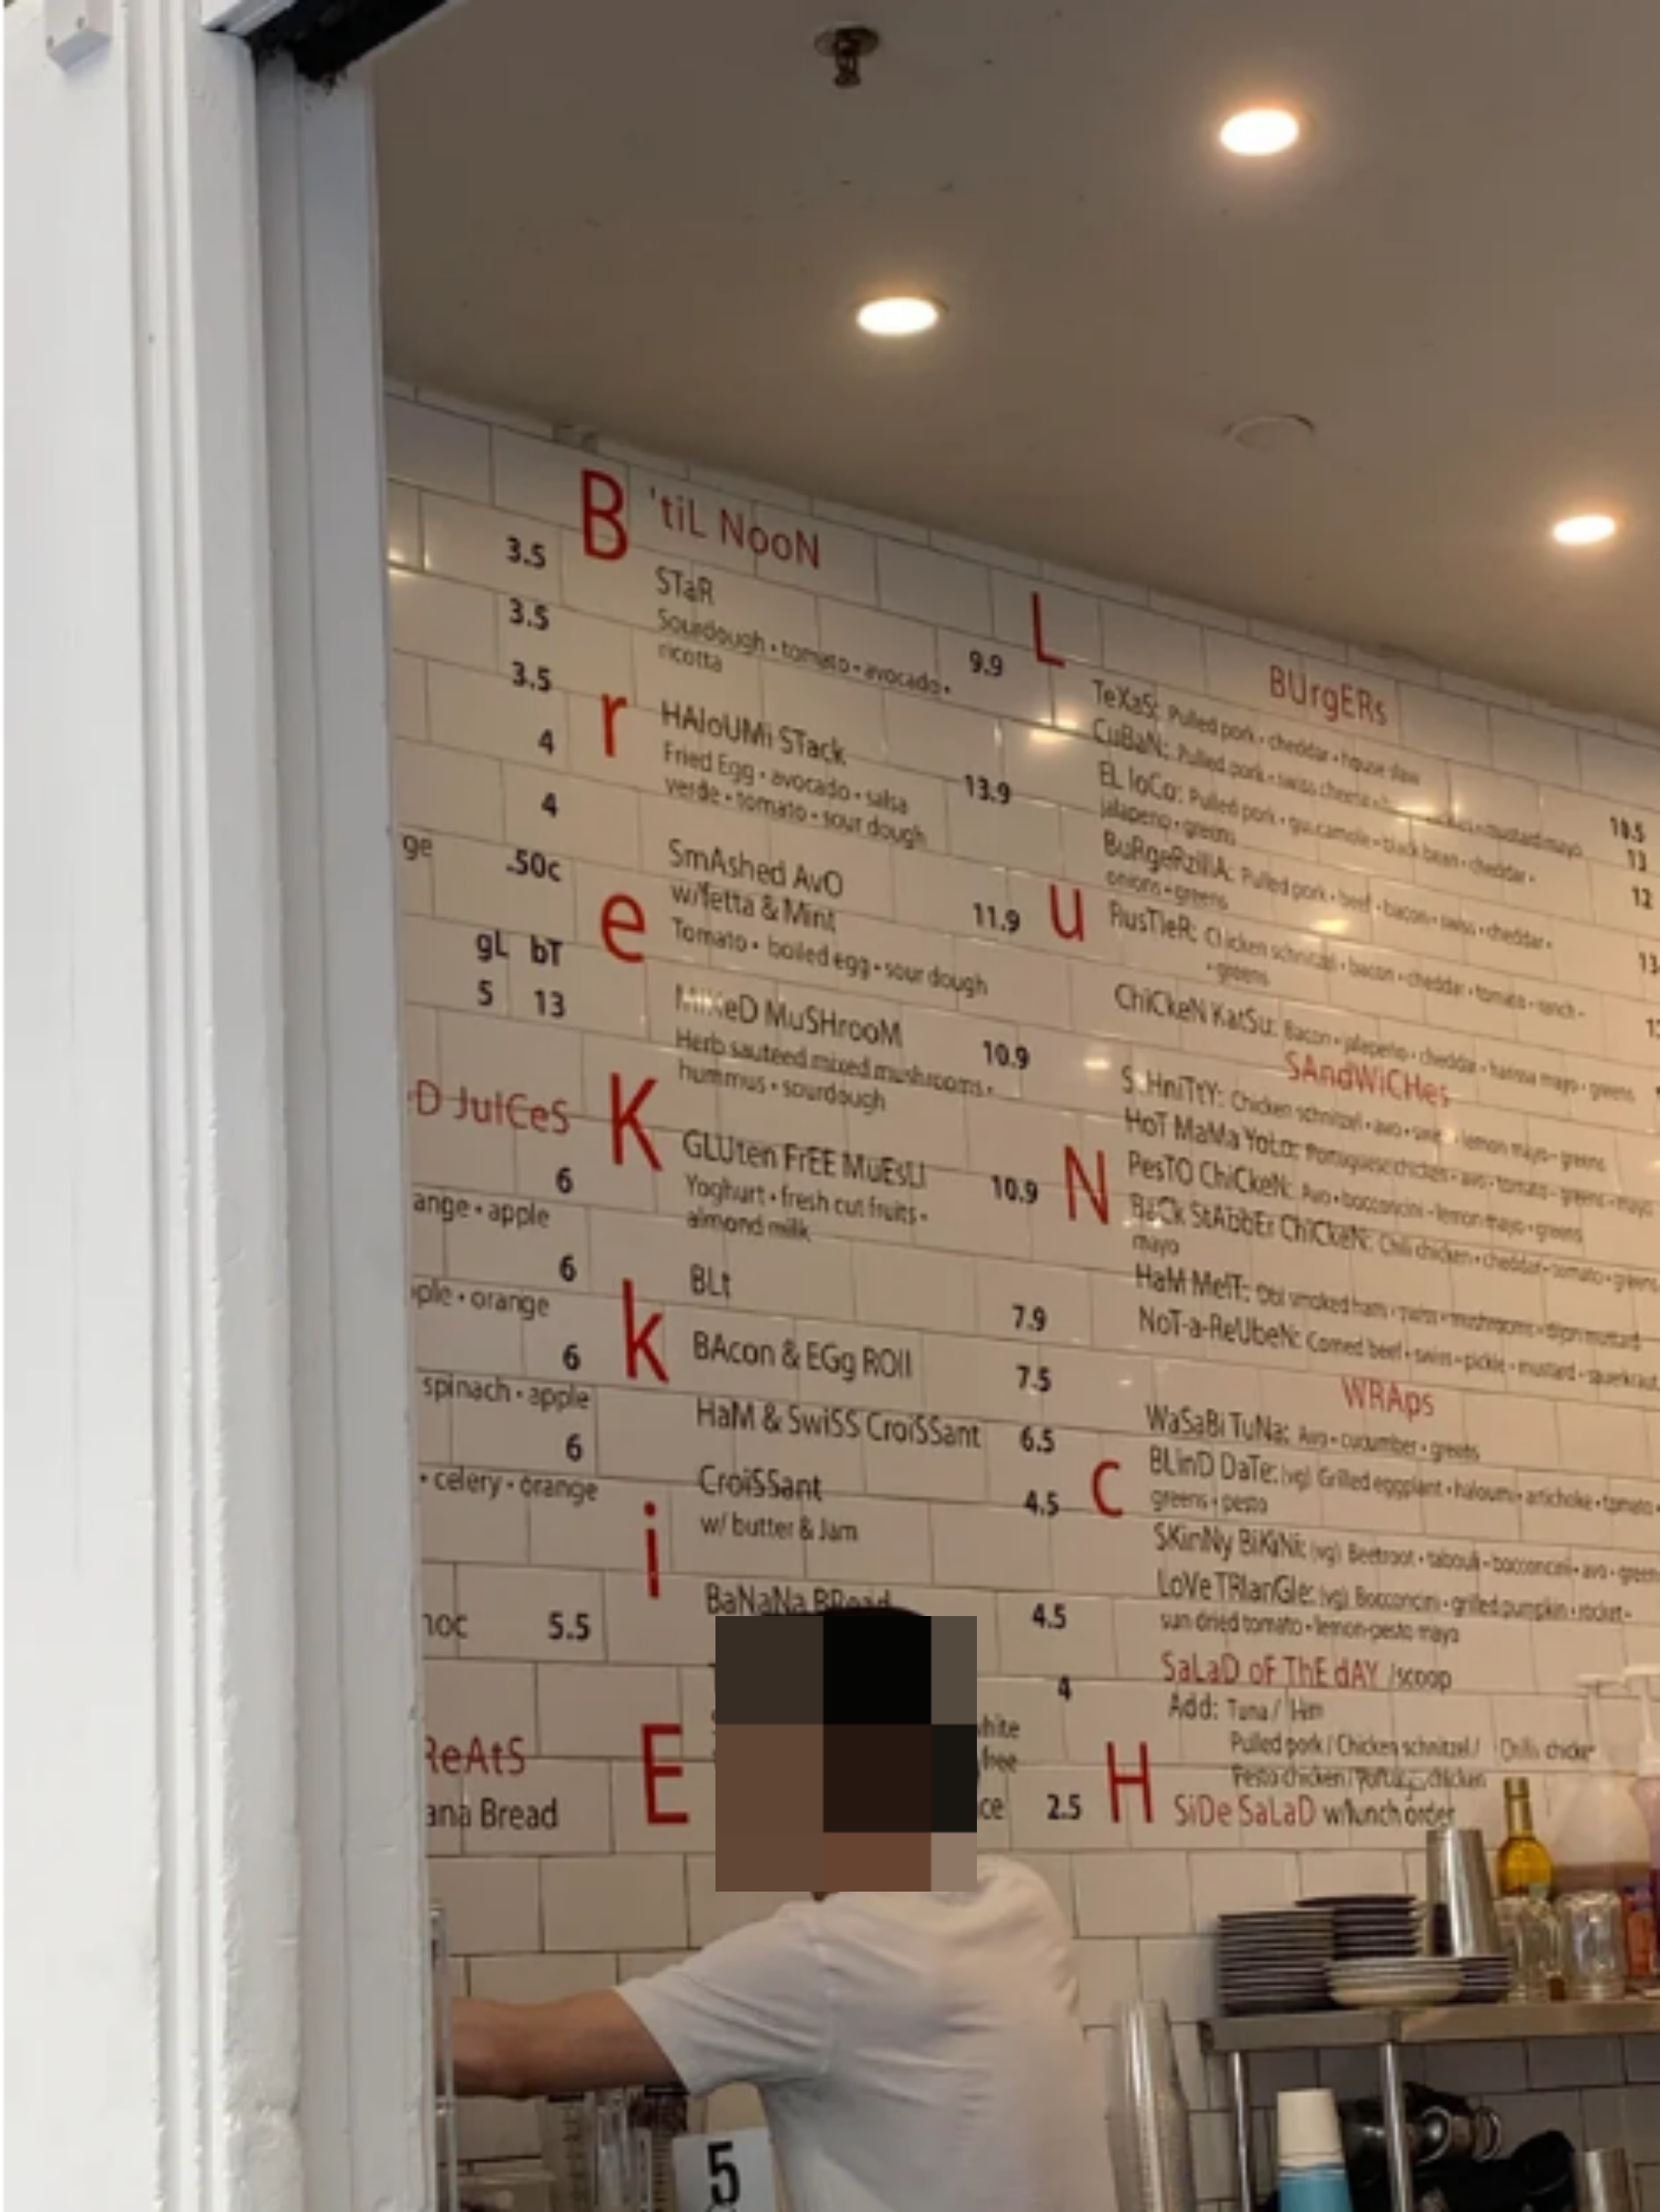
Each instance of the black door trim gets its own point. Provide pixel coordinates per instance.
(324, 38)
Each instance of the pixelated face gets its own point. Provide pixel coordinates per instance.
(846, 1753)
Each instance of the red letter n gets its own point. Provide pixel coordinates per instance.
(1079, 1181)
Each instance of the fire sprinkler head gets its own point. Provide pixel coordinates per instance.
(847, 44)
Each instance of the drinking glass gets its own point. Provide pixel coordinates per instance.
(1593, 1934)
(611, 2139)
(567, 2152)
(1532, 1944)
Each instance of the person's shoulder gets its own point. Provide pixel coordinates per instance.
(773, 1950)
(997, 1871)
(789, 1923)
(1021, 1885)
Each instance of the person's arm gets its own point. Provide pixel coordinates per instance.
(592, 2041)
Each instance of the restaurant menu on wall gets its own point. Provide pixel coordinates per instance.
(931, 1084)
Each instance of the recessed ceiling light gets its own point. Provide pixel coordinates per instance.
(1583, 529)
(1259, 130)
(1270, 433)
(901, 317)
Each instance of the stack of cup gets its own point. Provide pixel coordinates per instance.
(1147, 2123)
(1312, 2175)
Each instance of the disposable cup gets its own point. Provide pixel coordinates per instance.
(1308, 2131)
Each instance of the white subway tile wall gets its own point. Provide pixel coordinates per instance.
(935, 1079)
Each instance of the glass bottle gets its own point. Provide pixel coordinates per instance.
(1524, 1864)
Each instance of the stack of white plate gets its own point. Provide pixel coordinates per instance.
(1402, 1982)
(1273, 1961)
(1486, 1980)
(1373, 1926)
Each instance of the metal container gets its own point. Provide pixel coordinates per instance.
(1605, 2183)
(1463, 1919)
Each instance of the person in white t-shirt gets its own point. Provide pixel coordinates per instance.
(917, 2048)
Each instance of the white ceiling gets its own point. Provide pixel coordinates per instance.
(654, 218)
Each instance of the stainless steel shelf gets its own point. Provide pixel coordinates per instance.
(1391, 2033)
(1339, 2030)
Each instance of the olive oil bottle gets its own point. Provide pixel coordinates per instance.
(1524, 1865)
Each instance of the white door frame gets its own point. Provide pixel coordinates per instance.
(218, 1995)
(365, 2016)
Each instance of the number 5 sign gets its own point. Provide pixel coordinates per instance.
(724, 2173)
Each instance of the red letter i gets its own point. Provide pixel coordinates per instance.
(654, 1578)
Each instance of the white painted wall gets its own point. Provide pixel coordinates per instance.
(736, 611)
